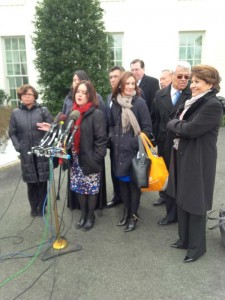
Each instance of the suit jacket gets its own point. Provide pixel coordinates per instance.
(149, 86)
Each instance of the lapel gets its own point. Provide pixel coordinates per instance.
(143, 82)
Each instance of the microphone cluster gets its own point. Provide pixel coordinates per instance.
(58, 139)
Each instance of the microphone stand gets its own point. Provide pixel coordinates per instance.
(60, 243)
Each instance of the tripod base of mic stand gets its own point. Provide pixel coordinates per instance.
(60, 247)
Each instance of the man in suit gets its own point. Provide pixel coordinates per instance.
(114, 75)
(164, 107)
(149, 85)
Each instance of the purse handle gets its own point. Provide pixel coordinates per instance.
(220, 219)
(141, 146)
(145, 139)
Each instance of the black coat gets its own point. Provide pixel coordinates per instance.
(149, 86)
(163, 110)
(93, 141)
(125, 146)
(195, 159)
(25, 135)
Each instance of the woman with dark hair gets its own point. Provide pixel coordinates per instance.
(26, 132)
(129, 116)
(78, 76)
(88, 152)
(193, 159)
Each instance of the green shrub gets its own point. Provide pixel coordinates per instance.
(3, 98)
(5, 113)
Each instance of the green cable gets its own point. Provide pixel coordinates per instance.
(43, 237)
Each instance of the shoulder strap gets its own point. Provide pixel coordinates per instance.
(221, 218)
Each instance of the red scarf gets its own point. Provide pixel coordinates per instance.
(82, 110)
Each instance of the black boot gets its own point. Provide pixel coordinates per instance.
(125, 219)
(92, 201)
(132, 223)
(83, 207)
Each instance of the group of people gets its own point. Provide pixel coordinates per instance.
(182, 113)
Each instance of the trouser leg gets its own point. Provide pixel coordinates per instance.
(183, 228)
(197, 236)
(171, 208)
(42, 194)
(32, 196)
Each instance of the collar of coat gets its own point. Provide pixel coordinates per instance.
(195, 105)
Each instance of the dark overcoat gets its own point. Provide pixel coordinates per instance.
(25, 135)
(125, 145)
(149, 86)
(193, 165)
(93, 147)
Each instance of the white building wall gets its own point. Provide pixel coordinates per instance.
(151, 30)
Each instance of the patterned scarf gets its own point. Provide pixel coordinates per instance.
(127, 116)
(82, 110)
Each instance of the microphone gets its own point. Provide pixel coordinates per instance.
(62, 120)
(50, 131)
(69, 143)
(75, 114)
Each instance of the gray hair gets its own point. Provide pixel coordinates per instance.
(182, 64)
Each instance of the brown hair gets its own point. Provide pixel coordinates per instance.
(120, 86)
(23, 90)
(142, 64)
(91, 93)
(207, 73)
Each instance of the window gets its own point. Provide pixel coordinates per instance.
(16, 65)
(190, 48)
(117, 48)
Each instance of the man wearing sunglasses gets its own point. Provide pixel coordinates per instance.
(163, 109)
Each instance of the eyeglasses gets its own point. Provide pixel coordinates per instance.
(186, 77)
(82, 92)
(29, 95)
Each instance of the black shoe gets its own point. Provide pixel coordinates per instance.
(81, 223)
(132, 223)
(165, 222)
(175, 245)
(159, 201)
(125, 219)
(89, 223)
(115, 201)
(188, 259)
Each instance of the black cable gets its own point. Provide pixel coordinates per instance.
(10, 202)
(36, 280)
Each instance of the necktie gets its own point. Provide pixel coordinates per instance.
(175, 97)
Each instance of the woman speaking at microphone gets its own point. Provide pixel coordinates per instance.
(25, 133)
(88, 152)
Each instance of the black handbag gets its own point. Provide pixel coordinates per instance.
(140, 167)
(220, 224)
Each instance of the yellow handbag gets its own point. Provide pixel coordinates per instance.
(158, 177)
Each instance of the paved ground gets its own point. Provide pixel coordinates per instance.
(112, 265)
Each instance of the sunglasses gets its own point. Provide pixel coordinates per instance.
(186, 77)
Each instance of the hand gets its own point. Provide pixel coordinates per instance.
(43, 126)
